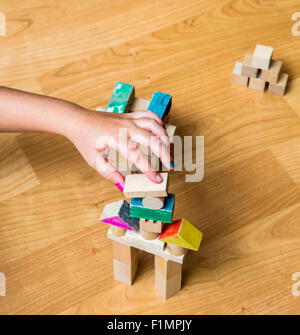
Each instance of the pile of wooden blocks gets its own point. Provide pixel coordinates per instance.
(260, 72)
(147, 222)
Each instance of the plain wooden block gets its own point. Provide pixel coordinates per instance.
(118, 231)
(124, 253)
(262, 57)
(176, 250)
(160, 104)
(170, 129)
(182, 233)
(272, 75)
(247, 69)
(237, 78)
(280, 87)
(153, 203)
(139, 104)
(148, 235)
(168, 276)
(121, 98)
(151, 226)
(139, 186)
(257, 84)
(124, 273)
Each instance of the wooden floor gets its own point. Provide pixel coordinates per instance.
(53, 250)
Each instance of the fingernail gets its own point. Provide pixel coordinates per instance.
(120, 187)
(158, 177)
(172, 165)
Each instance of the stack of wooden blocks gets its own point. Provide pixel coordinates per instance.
(260, 72)
(147, 223)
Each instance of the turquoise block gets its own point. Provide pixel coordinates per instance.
(121, 98)
(164, 214)
(160, 104)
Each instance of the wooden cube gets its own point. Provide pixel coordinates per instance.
(151, 226)
(262, 57)
(139, 185)
(280, 87)
(237, 77)
(257, 84)
(247, 69)
(272, 75)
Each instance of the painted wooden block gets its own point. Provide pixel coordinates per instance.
(257, 84)
(262, 57)
(280, 87)
(168, 277)
(121, 98)
(155, 247)
(139, 104)
(247, 69)
(272, 75)
(154, 203)
(139, 185)
(118, 214)
(164, 214)
(237, 78)
(100, 109)
(181, 232)
(160, 104)
(151, 226)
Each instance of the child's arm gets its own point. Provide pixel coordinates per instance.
(91, 132)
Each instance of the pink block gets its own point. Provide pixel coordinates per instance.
(116, 221)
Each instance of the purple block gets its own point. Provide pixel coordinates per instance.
(116, 221)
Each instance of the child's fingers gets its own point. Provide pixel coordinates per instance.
(145, 115)
(155, 128)
(134, 155)
(145, 139)
(108, 171)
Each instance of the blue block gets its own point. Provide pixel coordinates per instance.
(160, 104)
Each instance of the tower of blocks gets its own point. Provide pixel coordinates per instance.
(147, 222)
(260, 72)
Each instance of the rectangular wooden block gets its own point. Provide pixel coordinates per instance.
(160, 104)
(247, 69)
(164, 214)
(257, 84)
(138, 185)
(151, 226)
(139, 104)
(168, 276)
(121, 98)
(170, 129)
(155, 247)
(124, 253)
(124, 273)
(272, 75)
(237, 78)
(280, 87)
(262, 57)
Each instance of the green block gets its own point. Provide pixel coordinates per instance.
(137, 210)
(121, 98)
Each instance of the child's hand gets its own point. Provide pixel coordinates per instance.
(93, 132)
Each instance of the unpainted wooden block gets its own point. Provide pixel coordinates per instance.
(121, 98)
(257, 84)
(153, 203)
(181, 232)
(176, 250)
(117, 213)
(164, 214)
(170, 129)
(139, 104)
(280, 87)
(168, 276)
(124, 273)
(151, 226)
(139, 185)
(272, 75)
(237, 78)
(247, 69)
(262, 57)
(124, 253)
(148, 235)
(160, 104)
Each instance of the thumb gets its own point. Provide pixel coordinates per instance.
(108, 171)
